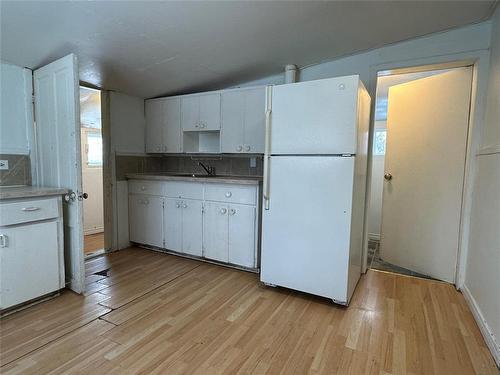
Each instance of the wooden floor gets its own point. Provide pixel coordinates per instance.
(154, 313)
(93, 242)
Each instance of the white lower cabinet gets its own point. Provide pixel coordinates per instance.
(241, 235)
(183, 223)
(30, 262)
(173, 224)
(229, 233)
(210, 226)
(192, 227)
(146, 219)
(215, 231)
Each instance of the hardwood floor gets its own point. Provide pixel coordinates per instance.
(93, 242)
(153, 313)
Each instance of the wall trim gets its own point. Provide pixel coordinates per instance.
(93, 231)
(487, 333)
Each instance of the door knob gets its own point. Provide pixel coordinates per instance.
(388, 176)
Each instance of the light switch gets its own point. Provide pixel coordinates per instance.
(253, 162)
(4, 164)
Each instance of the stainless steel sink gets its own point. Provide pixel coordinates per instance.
(191, 175)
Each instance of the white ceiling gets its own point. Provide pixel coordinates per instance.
(148, 49)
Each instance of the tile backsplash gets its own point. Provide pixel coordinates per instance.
(19, 172)
(225, 165)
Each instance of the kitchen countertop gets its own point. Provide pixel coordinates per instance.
(242, 180)
(13, 192)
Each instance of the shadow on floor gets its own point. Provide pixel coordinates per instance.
(377, 263)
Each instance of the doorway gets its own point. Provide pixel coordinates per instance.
(418, 165)
(92, 171)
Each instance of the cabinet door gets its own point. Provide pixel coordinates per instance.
(255, 120)
(242, 235)
(137, 218)
(192, 227)
(190, 113)
(172, 214)
(172, 125)
(154, 221)
(154, 126)
(209, 111)
(215, 232)
(146, 219)
(29, 262)
(233, 121)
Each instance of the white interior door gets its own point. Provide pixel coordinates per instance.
(427, 124)
(57, 114)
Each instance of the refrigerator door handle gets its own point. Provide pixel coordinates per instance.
(267, 150)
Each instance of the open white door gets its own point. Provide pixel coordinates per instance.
(57, 114)
(427, 124)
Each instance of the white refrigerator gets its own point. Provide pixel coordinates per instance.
(314, 186)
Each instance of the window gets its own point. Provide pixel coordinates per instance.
(379, 142)
(94, 150)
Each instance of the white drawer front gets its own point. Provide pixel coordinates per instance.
(28, 210)
(145, 187)
(180, 189)
(231, 193)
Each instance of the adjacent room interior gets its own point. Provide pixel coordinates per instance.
(92, 171)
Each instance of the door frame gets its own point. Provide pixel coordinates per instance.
(106, 166)
(479, 61)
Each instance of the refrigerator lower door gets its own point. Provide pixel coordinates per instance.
(306, 231)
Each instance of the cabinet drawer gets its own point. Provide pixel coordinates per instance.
(28, 210)
(231, 193)
(180, 189)
(145, 187)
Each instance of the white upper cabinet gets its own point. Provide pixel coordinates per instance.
(243, 120)
(163, 125)
(201, 112)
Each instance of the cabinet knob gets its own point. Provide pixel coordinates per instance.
(158, 148)
(196, 125)
(232, 211)
(184, 205)
(228, 194)
(3, 240)
(247, 148)
(223, 211)
(143, 187)
(239, 148)
(146, 201)
(178, 205)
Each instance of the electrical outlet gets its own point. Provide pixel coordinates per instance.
(253, 162)
(4, 164)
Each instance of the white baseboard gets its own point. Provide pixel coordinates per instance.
(483, 325)
(374, 236)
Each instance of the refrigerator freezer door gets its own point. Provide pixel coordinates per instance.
(306, 231)
(315, 117)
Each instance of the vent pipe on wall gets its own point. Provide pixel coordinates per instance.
(290, 73)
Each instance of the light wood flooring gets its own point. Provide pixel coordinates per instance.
(93, 242)
(153, 313)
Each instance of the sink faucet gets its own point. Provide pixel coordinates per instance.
(210, 170)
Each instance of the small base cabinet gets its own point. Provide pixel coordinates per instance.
(31, 249)
(215, 221)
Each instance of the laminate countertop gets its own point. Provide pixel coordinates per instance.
(17, 192)
(241, 180)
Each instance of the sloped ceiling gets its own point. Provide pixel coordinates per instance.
(148, 49)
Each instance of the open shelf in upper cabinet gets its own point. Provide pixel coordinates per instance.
(201, 141)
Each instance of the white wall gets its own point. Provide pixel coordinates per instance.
(127, 124)
(16, 121)
(482, 279)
